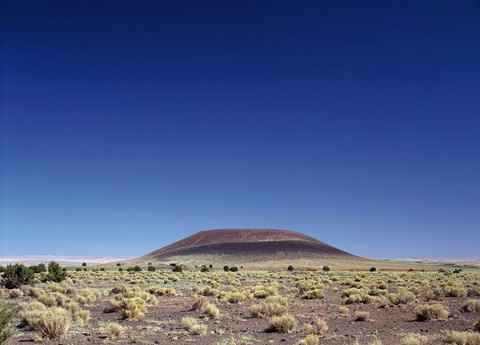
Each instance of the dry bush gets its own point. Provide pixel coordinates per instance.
(362, 315)
(133, 308)
(199, 302)
(235, 296)
(471, 305)
(461, 338)
(415, 339)
(30, 313)
(455, 291)
(343, 310)
(283, 324)
(434, 295)
(54, 323)
(427, 312)
(82, 316)
(16, 293)
(321, 325)
(314, 294)
(114, 330)
(271, 307)
(211, 310)
(476, 325)
(193, 326)
(311, 339)
(402, 296)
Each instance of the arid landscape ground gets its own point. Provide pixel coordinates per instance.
(341, 299)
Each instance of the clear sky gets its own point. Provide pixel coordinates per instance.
(127, 125)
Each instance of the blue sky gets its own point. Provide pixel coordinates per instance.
(127, 125)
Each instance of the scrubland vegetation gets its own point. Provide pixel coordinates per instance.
(210, 305)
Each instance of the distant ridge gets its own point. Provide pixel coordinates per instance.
(250, 247)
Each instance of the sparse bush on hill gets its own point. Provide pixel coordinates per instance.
(471, 305)
(311, 339)
(151, 269)
(18, 275)
(290, 268)
(114, 330)
(226, 268)
(326, 269)
(234, 269)
(204, 269)
(373, 269)
(461, 338)
(362, 315)
(54, 323)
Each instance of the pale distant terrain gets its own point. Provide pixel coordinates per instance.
(62, 260)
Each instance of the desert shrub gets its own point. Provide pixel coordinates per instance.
(151, 269)
(314, 294)
(283, 324)
(461, 338)
(326, 269)
(6, 315)
(40, 268)
(119, 289)
(320, 325)
(16, 293)
(290, 268)
(474, 291)
(234, 269)
(471, 305)
(226, 268)
(362, 315)
(264, 291)
(193, 326)
(114, 330)
(131, 308)
(199, 302)
(17, 275)
(31, 291)
(373, 269)
(54, 323)
(415, 339)
(455, 291)
(177, 268)
(402, 296)
(56, 273)
(2, 291)
(343, 310)
(476, 325)
(160, 291)
(267, 309)
(82, 316)
(311, 339)
(235, 296)
(211, 310)
(30, 312)
(434, 295)
(427, 312)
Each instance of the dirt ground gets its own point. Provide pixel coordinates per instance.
(162, 324)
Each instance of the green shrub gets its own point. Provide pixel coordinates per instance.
(18, 275)
(177, 268)
(151, 269)
(40, 268)
(326, 269)
(6, 316)
(56, 273)
(373, 269)
(290, 268)
(226, 268)
(234, 269)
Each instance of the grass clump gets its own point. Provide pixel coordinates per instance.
(415, 339)
(428, 312)
(362, 315)
(402, 296)
(471, 305)
(193, 326)
(54, 323)
(114, 330)
(311, 339)
(283, 324)
(320, 325)
(461, 338)
(211, 310)
(272, 306)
